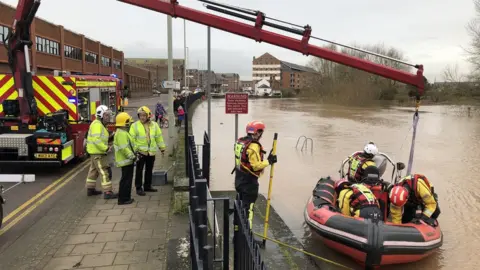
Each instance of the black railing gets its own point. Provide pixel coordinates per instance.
(206, 252)
(246, 250)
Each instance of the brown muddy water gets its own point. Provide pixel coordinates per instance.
(447, 152)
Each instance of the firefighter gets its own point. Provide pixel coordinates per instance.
(249, 165)
(360, 160)
(147, 138)
(98, 149)
(124, 156)
(357, 200)
(411, 193)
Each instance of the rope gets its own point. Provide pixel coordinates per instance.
(303, 251)
(414, 135)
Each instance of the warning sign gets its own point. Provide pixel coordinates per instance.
(236, 103)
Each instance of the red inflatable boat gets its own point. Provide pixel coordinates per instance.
(371, 244)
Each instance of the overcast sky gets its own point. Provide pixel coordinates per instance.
(428, 32)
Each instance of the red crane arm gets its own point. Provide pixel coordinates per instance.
(174, 9)
(19, 42)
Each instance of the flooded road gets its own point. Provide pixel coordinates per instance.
(447, 152)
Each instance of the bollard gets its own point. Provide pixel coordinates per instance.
(202, 238)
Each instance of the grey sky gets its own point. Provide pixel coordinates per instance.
(429, 32)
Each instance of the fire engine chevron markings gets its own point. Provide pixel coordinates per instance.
(34, 198)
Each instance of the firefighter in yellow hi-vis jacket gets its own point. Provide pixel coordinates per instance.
(124, 157)
(249, 165)
(148, 139)
(97, 147)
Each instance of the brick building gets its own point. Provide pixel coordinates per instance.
(230, 82)
(159, 68)
(57, 48)
(199, 78)
(280, 74)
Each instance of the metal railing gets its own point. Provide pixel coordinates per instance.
(214, 252)
(246, 249)
(305, 143)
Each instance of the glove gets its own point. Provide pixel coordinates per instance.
(272, 159)
(429, 221)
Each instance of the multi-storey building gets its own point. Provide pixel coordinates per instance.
(230, 82)
(280, 74)
(199, 78)
(159, 68)
(57, 48)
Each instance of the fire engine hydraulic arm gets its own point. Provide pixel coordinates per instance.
(174, 9)
(19, 42)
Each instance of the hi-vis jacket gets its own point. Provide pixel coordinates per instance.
(358, 163)
(122, 143)
(144, 145)
(97, 138)
(249, 156)
(355, 197)
(420, 193)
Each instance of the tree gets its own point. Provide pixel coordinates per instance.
(473, 51)
(452, 75)
(341, 83)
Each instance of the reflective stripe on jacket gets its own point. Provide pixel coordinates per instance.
(139, 137)
(97, 139)
(122, 143)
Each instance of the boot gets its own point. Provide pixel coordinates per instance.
(140, 192)
(110, 195)
(126, 202)
(150, 189)
(93, 192)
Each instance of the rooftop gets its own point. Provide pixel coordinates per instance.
(296, 67)
(152, 61)
(39, 18)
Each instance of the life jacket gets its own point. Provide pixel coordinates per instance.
(356, 163)
(381, 195)
(362, 197)
(410, 183)
(241, 158)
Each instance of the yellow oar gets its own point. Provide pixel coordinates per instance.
(267, 212)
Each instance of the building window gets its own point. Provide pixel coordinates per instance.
(47, 46)
(105, 61)
(3, 33)
(117, 64)
(72, 52)
(91, 58)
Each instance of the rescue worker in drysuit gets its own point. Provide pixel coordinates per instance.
(147, 137)
(361, 160)
(357, 200)
(124, 156)
(411, 193)
(97, 148)
(249, 165)
(371, 179)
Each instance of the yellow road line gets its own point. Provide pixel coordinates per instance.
(27, 203)
(38, 203)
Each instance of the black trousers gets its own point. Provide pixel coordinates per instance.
(371, 212)
(125, 189)
(246, 186)
(147, 162)
(410, 212)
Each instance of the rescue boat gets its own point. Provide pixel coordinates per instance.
(370, 243)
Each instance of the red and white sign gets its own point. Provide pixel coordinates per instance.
(236, 103)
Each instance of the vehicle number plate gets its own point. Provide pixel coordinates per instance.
(46, 156)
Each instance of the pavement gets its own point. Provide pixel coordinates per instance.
(52, 224)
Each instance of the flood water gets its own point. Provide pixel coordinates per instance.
(447, 152)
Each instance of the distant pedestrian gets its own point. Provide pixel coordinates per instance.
(181, 115)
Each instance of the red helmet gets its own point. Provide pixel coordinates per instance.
(340, 184)
(398, 196)
(255, 127)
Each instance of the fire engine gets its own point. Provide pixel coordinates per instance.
(65, 105)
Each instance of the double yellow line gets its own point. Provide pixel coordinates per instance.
(51, 189)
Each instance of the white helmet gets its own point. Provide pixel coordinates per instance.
(101, 110)
(371, 149)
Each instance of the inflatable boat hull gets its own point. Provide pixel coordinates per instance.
(372, 244)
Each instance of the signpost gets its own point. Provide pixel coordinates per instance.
(236, 103)
(171, 85)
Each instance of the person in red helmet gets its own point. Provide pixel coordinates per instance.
(250, 164)
(411, 193)
(357, 200)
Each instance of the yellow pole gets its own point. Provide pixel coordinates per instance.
(267, 212)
